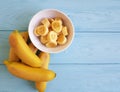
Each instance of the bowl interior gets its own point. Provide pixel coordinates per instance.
(35, 21)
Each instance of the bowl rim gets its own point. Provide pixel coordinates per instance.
(51, 51)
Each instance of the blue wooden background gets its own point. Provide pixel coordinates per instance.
(90, 64)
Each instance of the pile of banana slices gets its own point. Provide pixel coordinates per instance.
(52, 32)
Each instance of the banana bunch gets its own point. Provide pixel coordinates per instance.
(52, 32)
(25, 61)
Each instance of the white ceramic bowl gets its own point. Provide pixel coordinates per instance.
(50, 13)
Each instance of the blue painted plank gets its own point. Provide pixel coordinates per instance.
(91, 48)
(70, 78)
(87, 15)
(4, 45)
(86, 48)
(96, 21)
(87, 78)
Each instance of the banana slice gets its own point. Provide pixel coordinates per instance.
(41, 30)
(51, 44)
(58, 19)
(43, 39)
(65, 31)
(52, 36)
(45, 22)
(61, 39)
(56, 26)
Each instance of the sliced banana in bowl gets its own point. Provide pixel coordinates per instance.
(41, 30)
(51, 31)
(52, 36)
(57, 26)
(61, 39)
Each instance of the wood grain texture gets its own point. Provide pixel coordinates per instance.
(84, 78)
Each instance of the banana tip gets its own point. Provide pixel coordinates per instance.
(6, 62)
(55, 75)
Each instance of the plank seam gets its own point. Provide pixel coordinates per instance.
(78, 31)
(82, 64)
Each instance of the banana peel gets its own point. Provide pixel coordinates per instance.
(22, 50)
(12, 55)
(23, 71)
(45, 58)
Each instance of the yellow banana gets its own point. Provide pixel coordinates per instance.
(22, 50)
(25, 35)
(29, 73)
(56, 26)
(32, 47)
(61, 39)
(12, 55)
(41, 86)
(41, 30)
(45, 57)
